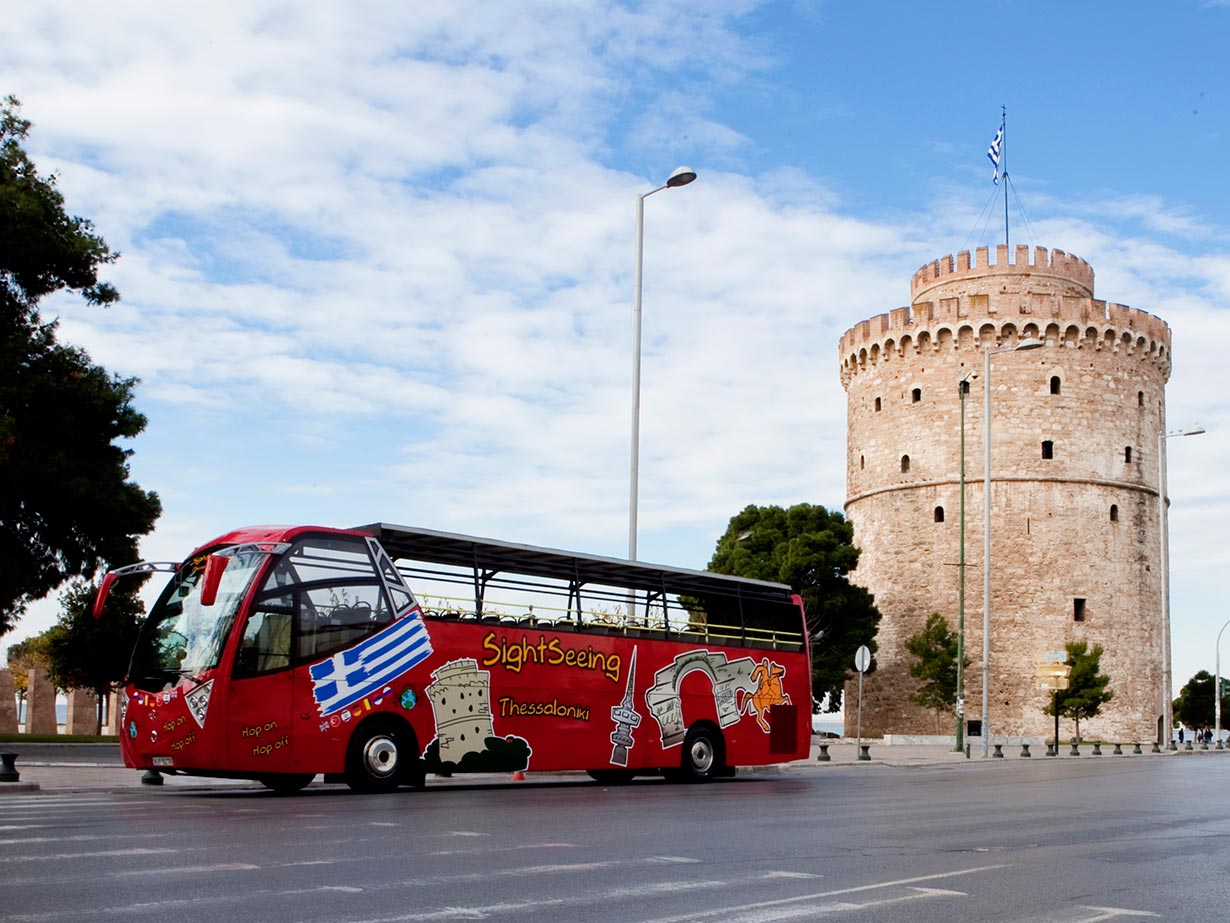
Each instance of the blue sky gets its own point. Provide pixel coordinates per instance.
(377, 259)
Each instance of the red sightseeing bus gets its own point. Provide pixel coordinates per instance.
(378, 654)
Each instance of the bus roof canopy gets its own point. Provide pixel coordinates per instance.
(493, 555)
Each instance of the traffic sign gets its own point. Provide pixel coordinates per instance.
(1055, 655)
(862, 658)
(1052, 669)
(1054, 682)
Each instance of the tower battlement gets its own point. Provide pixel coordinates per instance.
(959, 305)
(1054, 270)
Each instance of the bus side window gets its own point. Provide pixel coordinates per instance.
(334, 617)
(266, 639)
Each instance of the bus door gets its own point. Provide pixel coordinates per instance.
(259, 707)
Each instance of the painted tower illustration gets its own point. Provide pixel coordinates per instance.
(1074, 499)
(461, 702)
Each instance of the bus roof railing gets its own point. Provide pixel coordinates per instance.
(491, 554)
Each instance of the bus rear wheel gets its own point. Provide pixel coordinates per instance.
(702, 756)
(378, 756)
(287, 783)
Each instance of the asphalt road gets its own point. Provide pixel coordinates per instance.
(1039, 841)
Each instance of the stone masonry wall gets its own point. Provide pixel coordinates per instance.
(1079, 525)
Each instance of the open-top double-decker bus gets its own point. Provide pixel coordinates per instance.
(379, 654)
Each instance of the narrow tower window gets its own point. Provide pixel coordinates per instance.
(1114, 512)
(916, 395)
(877, 405)
(1048, 449)
(905, 463)
(1140, 398)
(1078, 609)
(1054, 384)
(939, 514)
(862, 462)
(1127, 454)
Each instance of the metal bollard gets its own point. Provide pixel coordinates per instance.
(151, 777)
(8, 768)
(864, 752)
(1025, 754)
(967, 751)
(1136, 749)
(1118, 751)
(1097, 749)
(1219, 746)
(1052, 750)
(1188, 745)
(999, 752)
(1204, 745)
(1172, 746)
(1156, 748)
(1075, 751)
(823, 755)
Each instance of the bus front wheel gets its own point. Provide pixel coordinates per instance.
(287, 783)
(378, 755)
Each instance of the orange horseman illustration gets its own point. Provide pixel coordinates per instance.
(768, 679)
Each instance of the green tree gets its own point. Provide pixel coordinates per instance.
(1087, 689)
(934, 649)
(813, 550)
(88, 653)
(1195, 708)
(67, 506)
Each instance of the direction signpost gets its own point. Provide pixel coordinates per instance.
(1051, 674)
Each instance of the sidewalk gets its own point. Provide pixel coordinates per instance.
(66, 775)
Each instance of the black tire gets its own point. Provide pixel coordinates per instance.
(703, 755)
(379, 756)
(611, 776)
(287, 783)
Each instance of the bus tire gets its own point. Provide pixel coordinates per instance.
(378, 756)
(287, 783)
(703, 755)
(611, 776)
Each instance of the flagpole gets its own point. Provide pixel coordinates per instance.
(1003, 154)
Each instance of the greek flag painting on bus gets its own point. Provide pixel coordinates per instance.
(350, 675)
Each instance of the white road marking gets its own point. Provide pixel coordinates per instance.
(188, 869)
(670, 859)
(789, 875)
(1112, 913)
(89, 855)
(82, 837)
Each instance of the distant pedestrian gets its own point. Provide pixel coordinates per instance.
(1180, 735)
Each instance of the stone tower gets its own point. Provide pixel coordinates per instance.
(1074, 486)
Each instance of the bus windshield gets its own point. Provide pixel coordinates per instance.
(181, 637)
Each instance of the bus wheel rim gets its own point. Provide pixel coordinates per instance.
(702, 755)
(380, 757)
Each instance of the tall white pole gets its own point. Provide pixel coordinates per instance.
(1217, 688)
(1167, 704)
(636, 377)
(986, 549)
(680, 177)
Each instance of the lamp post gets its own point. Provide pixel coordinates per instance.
(1164, 547)
(986, 530)
(680, 177)
(962, 390)
(1217, 688)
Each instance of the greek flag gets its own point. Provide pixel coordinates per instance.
(350, 675)
(993, 152)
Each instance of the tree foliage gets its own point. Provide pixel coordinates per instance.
(1087, 688)
(67, 506)
(89, 653)
(26, 655)
(934, 649)
(813, 550)
(1195, 707)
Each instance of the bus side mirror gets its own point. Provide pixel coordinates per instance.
(104, 589)
(215, 564)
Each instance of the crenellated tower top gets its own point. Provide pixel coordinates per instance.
(956, 303)
(1051, 271)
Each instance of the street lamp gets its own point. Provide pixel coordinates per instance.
(962, 390)
(986, 529)
(1164, 544)
(1217, 688)
(680, 177)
